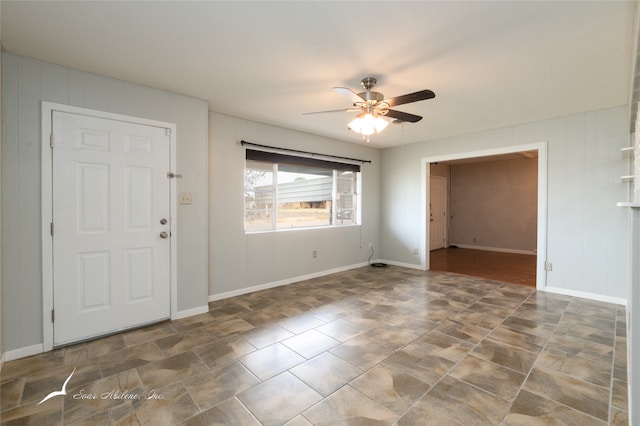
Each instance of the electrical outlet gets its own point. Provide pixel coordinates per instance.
(315, 254)
(370, 246)
(416, 251)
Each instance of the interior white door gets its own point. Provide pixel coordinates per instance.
(437, 212)
(111, 226)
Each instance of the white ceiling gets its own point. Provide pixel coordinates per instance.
(491, 64)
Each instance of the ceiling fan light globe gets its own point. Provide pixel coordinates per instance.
(368, 124)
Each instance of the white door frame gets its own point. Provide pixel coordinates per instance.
(541, 249)
(47, 202)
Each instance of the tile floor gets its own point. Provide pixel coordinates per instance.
(362, 347)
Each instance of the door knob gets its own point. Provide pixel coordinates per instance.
(164, 234)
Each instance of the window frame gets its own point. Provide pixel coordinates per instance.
(275, 159)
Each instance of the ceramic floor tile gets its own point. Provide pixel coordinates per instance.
(267, 362)
(91, 399)
(452, 401)
(178, 367)
(411, 361)
(279, 399)
(264, 336)
(618, 417)
(49, 413)
(528, 326)
(580, 368)
(467, 332)
(85, 351)
(219, 384)
(477, 318)
(619, 394)
(394, 337)
(519, 339)
(506, 355)
(361, 351)
(577, 394)
(326, 373)
(349, 406)
(310, 343)
(531, 409)
(128, 358)
(168, 405)
(301, 323)
(223, 351)
(364, 346)
(229, 326)
(486, 375)
(391, 386)
(181, 342)
(342, 329)
(148, 334)
(37, 386)
(589, 321)
(10, 393)
(298, 420)
(441, 345)
(229, 412)
(604, 337)
(581, 347)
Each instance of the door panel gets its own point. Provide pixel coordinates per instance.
(437, 212)
(111, 267)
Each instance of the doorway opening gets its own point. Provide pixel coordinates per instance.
(494, 214)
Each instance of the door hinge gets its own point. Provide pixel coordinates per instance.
(53, 315)
(167, 131)
(172, 175)
(51, 228)
(51, 140)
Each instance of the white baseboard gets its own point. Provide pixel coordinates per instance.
(498, 249)
(585, 295)
(24, 352)
(402, 264)
(191, 312)
(287, 281)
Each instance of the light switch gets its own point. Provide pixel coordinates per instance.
(185, 198)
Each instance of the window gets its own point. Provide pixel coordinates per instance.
(284, 192)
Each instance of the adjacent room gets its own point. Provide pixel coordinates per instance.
(270, 213)
(483, 217)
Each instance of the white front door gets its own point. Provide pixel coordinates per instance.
(111, 226)
(437, 212)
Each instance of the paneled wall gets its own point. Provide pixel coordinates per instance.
(494, 205)
(239, 261)
(28, 82)
(586, 232)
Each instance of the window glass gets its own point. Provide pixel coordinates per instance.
(303, 196)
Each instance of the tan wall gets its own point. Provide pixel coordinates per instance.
(494, 204)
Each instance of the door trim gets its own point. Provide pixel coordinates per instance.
(446, 209)
(541, 249)
(47, 203)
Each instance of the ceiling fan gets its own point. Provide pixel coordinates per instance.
(372, 106)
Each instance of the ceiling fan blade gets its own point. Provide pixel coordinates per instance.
(332, 110)
(403, 116)
(410, 97)
(349, 94)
